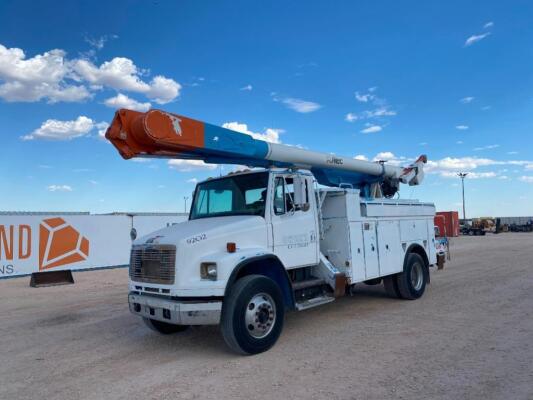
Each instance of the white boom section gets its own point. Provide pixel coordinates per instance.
(301, 158)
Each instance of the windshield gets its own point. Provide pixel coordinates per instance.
(233, 195)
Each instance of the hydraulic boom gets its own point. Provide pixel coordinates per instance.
(161, 134)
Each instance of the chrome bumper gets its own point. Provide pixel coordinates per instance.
(175, 312)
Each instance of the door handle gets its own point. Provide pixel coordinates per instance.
(373, 248)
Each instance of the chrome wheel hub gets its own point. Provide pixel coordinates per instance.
(260, 315)
(417, 276)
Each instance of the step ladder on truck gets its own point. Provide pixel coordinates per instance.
(295, 232)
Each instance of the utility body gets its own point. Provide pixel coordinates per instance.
(264, 241)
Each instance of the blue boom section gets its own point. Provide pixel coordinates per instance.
(224, 146)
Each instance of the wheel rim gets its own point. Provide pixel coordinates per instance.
(417, 276)
(260, 315)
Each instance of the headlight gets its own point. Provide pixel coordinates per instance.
(208, 270)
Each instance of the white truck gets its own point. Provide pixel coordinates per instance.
(264, 241)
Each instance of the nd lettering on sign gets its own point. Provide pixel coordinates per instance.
(36, 243)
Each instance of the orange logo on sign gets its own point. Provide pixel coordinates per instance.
(60, 244)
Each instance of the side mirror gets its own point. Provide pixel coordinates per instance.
(301, 200)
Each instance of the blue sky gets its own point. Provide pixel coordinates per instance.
(449, 79)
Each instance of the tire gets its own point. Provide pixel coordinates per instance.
(412, 281)
(391, 286)
(164, 327)
(253, 296)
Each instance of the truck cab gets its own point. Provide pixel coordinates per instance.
(264, 241)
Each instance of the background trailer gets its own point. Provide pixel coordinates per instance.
(32, 242)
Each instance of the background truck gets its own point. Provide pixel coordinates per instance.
(294, 233)
(472, 227)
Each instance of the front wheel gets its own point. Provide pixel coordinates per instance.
(164, 327)
(252, 315)
(412, 281)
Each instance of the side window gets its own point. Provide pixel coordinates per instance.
(289, 194)
(279, 196)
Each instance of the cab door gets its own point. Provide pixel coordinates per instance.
(294, 228)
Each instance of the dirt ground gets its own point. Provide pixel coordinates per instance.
(469, 337)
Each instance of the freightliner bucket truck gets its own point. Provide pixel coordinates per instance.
(295, 232)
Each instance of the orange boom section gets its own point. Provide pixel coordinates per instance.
(155, 133)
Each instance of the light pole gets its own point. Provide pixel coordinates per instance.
(463, 175)
(185, 198)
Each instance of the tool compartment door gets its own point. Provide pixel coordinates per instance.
(371, 250)
(390, 248)
(357, 251)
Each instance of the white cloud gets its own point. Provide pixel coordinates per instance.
(476, 38)
(457, 164)
(526, 178)
(488, 147)
(247, 88)
(141, 160)
(301, 106)
(96, 44)
(51, 76)
(190, 165)
(36, 78)
(93, 182)
(529, 166)
(379, 112)
(390, 158)
(459, 142)
(512, 152)
(351, 117)
(163, 90)
(466, 100)
(382, 108)
(54, 129)
(192, 180)
(365, 97)
(370, 128)
(485, 108)
(361, 157)
(269, 135)
(461, 127)
(471, 175)
(122, 74)
(123, 101)
(489, 24)
(102, 128)
(59, 188)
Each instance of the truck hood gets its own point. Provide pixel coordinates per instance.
(200, 229)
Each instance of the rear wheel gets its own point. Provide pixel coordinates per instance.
(252, 315)
(412, 281)
(164, 327)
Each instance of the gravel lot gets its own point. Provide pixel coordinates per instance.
(469, 337)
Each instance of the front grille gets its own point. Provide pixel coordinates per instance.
(153, 263)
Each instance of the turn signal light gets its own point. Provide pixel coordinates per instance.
(231, 247)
